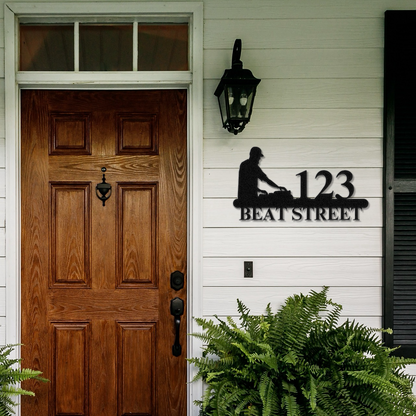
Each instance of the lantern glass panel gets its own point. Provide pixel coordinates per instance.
(223, 106)
(240, 101)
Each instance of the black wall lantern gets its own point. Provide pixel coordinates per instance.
(236, 92)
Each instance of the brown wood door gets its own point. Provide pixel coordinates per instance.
(96, 289)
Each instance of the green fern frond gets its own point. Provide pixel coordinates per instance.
(290, 405)
(268, 360)
(310, 392)
(300, 361)
(268, 395)
(290, 358)
(7, 391)
(10, 376)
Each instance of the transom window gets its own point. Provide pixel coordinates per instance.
(115, 46)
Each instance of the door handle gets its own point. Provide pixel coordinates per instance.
(176, 309)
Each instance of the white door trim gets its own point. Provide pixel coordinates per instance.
(191, 80)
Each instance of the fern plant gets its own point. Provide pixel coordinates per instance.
(300, 362)
(10, 376)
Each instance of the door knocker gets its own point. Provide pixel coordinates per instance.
(103, 188)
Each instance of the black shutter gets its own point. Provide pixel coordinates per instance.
(400, 180)
(404, 269)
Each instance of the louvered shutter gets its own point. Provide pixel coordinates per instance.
(400, 180)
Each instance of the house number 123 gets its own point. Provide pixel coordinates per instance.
(328, 182)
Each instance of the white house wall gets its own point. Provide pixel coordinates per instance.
(319, 106)
(2, 191)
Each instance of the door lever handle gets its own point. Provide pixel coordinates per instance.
(176, 309)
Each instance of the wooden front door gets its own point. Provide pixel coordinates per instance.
(96, 290)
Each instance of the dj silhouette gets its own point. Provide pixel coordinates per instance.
(249, 175)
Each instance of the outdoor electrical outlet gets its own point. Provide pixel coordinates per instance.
(248, 269)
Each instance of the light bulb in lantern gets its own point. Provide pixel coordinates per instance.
(243, 99)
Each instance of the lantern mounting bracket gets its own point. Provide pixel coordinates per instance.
(236, 58)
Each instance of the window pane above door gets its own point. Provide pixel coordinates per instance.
(163, 47)
(103, 46)
(106, 47)
(46, 48)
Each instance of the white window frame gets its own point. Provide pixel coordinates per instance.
(191, 80)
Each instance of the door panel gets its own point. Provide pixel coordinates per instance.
(136, 253)
(70, 222)
(136, 384)
(96, 277)
(70, 376)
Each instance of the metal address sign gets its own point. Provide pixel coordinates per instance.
(259, 205)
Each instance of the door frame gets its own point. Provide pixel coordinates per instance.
(191, 80)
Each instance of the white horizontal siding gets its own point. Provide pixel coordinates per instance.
(294, 33)
(2, 182)
(2, 330)
(316, 9)
(283, 9)
(2, 191)
(2, 302)
(278, 271)
(310, 93)
(2, 242)
(2, 212)
(301, 123)
(292, 242)
(2, 63)
(289, 153)
(299, 63)
(2, 153)
(1, 108)
(356, 301)
(2, 271)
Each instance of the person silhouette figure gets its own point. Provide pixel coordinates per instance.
(249, 175)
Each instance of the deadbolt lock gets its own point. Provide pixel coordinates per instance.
(177, 280)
